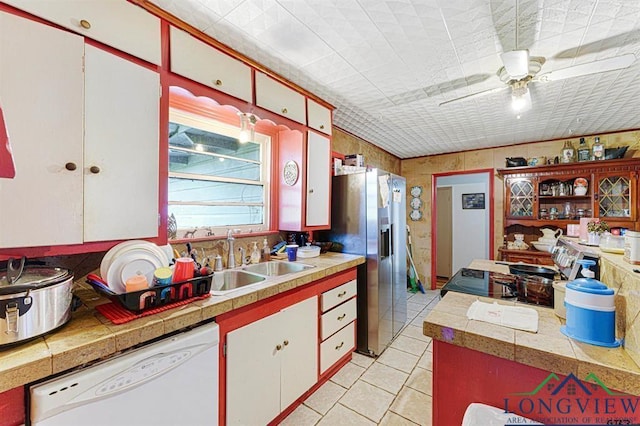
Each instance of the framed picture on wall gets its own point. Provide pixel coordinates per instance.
(473, 201)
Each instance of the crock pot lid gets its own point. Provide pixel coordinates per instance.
(590, 285)
(34, 277)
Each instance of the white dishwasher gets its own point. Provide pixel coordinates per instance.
(170, 382)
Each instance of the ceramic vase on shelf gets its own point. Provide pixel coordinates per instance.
(593, 238)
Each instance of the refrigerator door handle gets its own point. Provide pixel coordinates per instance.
(391, 240)
(384, 242)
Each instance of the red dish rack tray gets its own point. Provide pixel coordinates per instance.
(159, 295)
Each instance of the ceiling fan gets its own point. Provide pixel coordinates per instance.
(519, 70)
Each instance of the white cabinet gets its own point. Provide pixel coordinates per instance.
(200, 62)
(318, 209)
(121, 155)
(339, 312)
(117, 23)
(319, 117)
(278, 98)
(271, 363)
(87, 166)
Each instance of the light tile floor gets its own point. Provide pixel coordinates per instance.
(393, 389)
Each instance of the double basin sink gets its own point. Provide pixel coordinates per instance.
(233, 279)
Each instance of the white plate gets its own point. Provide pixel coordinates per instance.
(133, 262)
(125, 246)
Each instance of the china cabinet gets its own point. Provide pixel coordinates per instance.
(557, 195)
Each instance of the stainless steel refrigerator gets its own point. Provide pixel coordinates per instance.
(368, 218)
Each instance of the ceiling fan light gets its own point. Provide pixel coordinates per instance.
(516, 62)
(521, 103)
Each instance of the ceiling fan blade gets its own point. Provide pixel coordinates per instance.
(516, 62)
(604, 65)
(474, 95)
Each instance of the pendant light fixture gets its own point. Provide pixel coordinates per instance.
(247, 127)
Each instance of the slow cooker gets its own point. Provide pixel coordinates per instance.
(33, 301)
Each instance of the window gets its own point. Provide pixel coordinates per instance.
(216, 182)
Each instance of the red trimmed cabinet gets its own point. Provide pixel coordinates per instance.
(276, 352)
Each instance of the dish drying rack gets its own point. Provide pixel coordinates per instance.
(155, 296)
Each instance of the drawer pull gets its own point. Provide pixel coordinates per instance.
(278, 347)
(85, 24)
(284, 110)
(286, 342)
(341, 317)
(342, 294)
(339, 346)
(218, 82)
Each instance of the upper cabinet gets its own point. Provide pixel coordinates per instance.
(201, 62)
(278, 98)
(84, 139)
(116, 23)
(318, 180)
(557, 195)
(319, 117)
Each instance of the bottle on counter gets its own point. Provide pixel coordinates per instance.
(584, 151)
(598, 149)
(255, 253)
(266, 251)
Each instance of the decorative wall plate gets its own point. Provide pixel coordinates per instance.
(415, 203)
(416, 191)
(290, 173)
(415, 215)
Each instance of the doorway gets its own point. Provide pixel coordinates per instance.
(463, 221)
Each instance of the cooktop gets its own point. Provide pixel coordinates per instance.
(482, 283)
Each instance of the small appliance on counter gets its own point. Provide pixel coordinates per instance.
(590, 310)
(34, 300)
(566, 255)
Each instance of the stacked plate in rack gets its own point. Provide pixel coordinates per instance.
(129, 258)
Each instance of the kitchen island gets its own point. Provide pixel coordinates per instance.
(89, 336)
(475, 361)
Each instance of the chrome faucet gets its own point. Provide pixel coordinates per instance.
(231, 261)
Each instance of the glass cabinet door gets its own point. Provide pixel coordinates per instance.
(521, 198)
(615, 196)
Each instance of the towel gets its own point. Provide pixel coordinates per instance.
(517, 317)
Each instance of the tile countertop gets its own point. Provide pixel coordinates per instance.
(548, 349)
(89, 336)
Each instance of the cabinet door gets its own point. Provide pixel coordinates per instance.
(615, 196)
(117, 23)
(41, 90)
(318, 180)
(290, 156)
(121, 148)
(319, 117)
(253, 372)
(277, 97)
(200, 62)
(299, 363)
(521, 198)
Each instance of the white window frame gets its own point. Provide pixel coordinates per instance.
(213, 125)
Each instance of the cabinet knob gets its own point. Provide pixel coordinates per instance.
(85, 24)
(218, 82)
(94, 169)
(339, 346)
(322, 126)
(311, 191)
(286, 342)
(278, 347)
(344, 293)
(70, 166)
(341, 317)
(284, 110)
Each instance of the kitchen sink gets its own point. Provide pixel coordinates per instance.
(275, 268)
(232, 279)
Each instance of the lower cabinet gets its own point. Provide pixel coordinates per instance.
(271, 363)
(338, 327)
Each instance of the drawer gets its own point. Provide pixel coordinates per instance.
(278, 98)
(201, 62)
(337, 346)
(116, 23)
(338, 317)
(338, 295)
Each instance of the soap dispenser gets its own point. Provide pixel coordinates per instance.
(591, 310)
(255, 253)
(266, 251)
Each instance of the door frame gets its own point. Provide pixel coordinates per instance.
(490, 196)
